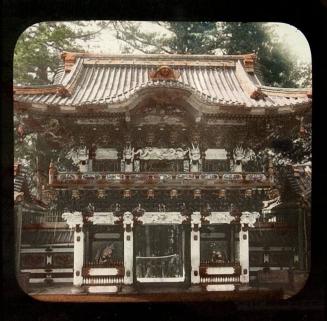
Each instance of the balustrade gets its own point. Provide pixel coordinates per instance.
(103, 280)
(219, 279)
(113, 179)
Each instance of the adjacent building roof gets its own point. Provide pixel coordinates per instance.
(22, 191)
(117, 81)
(300, 179)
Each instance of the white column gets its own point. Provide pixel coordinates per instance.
(244, 254)
(128, 248)
(75, 221)
(78, 255)
(247, 220)
(195, 247)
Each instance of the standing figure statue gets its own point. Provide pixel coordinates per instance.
(128, 157)
(238, 156)
(195, 158)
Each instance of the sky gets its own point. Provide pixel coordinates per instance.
(105, 42)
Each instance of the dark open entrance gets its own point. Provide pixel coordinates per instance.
(161, 254)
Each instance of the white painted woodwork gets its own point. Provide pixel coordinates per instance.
(220, 279)
(75, 220)
(215, 153)
(128, 248)
(162, 218)
(244, 255)
(102, 271)
(103, 218)
(195, 248)
(220, 287)
(220, 218)
(78, 256)
(103, 289)
(161, 280)
(220, 270)
(249, 218)
(106, 153)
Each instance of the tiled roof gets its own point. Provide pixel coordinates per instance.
(22, 190)
(113, 80)
(300, 179)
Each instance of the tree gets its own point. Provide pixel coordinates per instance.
(36, 56)
(276, 65)
(177, 38)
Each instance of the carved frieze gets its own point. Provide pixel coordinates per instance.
(162, 218)
(161, 153)
(220, 218)
(103, 218)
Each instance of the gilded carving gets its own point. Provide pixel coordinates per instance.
(164, 73)
(249, 218)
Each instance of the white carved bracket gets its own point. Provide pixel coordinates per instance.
(220, 218)
(270, 204)
(73, 219)
(196, 219)
(249, 218)
(162, 218)
(106, 218)
(128, 219)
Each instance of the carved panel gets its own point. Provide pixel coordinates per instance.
(161, 153)
(62, 260)
(162, 218)
(106, 218)
(220, 218)
(33, 261)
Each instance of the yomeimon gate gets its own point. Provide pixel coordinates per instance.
(153, 172)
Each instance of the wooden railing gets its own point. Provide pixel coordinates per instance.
(103, 280)
(207, 263)
(114, 263)
(160, 179)
(47, 217)
(220, 279)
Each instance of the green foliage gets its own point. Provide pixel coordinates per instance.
(36, 56)
(276, 65)
(178, 38)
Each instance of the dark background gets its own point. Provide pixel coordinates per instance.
(310, 17)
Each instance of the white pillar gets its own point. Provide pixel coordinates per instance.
(78, 255)
(195, 247)
(244, 254)
(128, 248)
(75, 220)
(247, 220)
